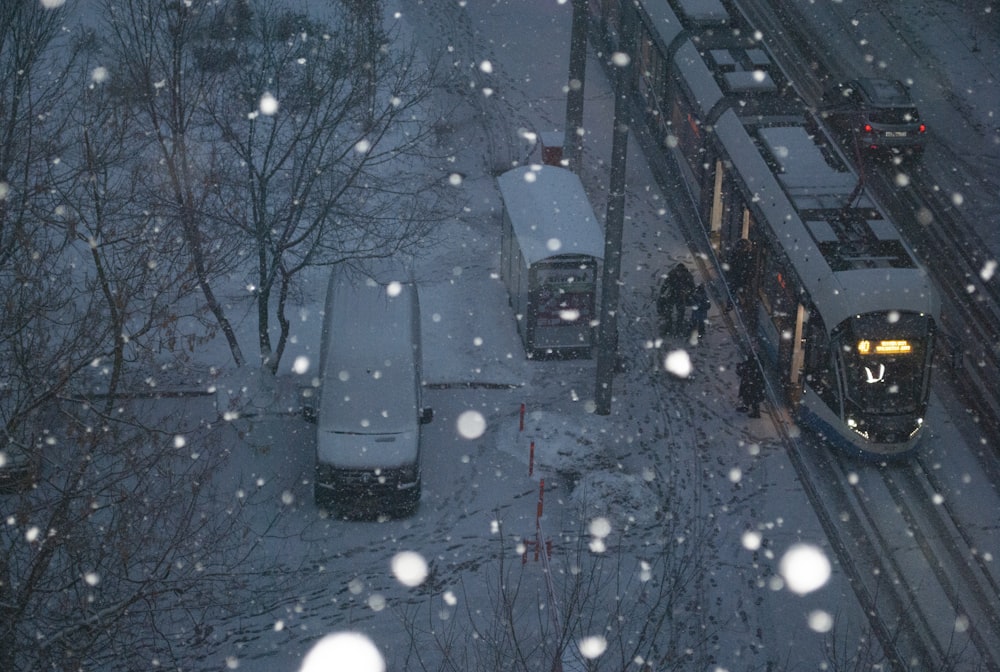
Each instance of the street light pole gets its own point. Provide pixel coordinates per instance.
(573, 140)
(607, 338)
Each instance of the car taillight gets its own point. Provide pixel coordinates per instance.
(922, 128)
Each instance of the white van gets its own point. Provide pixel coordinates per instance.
(370, 404)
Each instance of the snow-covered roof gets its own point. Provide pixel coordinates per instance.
(665, 24)
(838, 294)
(550, 213)
(804, 172)
(704, 11)
(699, 78)
(372, 357)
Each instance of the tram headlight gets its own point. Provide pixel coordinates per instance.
(853, 424)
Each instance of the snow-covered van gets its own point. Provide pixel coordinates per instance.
(370, 405)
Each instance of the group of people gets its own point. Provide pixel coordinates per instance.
(678, 294)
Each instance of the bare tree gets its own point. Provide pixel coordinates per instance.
(37, 356)
(128, 259)
(326, 155)
(30, 84)
(637, 595)
(280, 143)
(154, 70)
(128, 553)
(124, 551)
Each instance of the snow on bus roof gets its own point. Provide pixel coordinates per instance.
(550, 213)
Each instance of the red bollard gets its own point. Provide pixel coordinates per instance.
(541, 500)
(531, 459)
(522, 418)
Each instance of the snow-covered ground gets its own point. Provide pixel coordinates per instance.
(672, 467)
(721, 470)
(671, 449)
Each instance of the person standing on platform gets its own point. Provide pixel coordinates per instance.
(700, 304)
(740, 273)
(751, 386)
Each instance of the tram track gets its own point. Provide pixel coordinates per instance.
(907, 555)
(922, 554)
(902, 634)
(929, 596)
(863, 553)
(904, 562)
(958, 261)
(962, 573)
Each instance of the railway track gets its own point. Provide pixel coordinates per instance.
(907, 563)
(963, 574)
(959, 262)
(929, 594)
(915, 568)
(913, 564)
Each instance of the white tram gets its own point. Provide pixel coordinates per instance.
(838, 304)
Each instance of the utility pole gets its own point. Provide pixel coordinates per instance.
(573, 140)
(607, 334)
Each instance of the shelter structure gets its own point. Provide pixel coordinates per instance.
(551, 251)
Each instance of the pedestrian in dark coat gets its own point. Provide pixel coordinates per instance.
(699, 312)
(674, 298)
(740, 274)
(751, 386)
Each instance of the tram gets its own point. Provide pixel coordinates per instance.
(839, 307)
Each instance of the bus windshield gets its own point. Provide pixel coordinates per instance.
(883, 356)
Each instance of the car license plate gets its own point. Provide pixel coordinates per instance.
(895, 134)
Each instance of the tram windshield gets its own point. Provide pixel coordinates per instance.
(883, 357)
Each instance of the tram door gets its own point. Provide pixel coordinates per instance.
(783, 322)
(798, 356)
(715, 207)
(728, 218)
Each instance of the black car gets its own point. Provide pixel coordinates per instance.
(875, 116)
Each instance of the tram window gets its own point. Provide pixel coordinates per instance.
(776, 288)
(817, 344)
(647, 57)
(688, 130)
(735, 215)
(818, 364)
(884, 361)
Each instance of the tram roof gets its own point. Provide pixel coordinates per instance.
(807, 175)
(550, 213)
(663, 22)
(860, 291)
(703, 11)
(726, 67)
(858, 280)
(705, 91)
